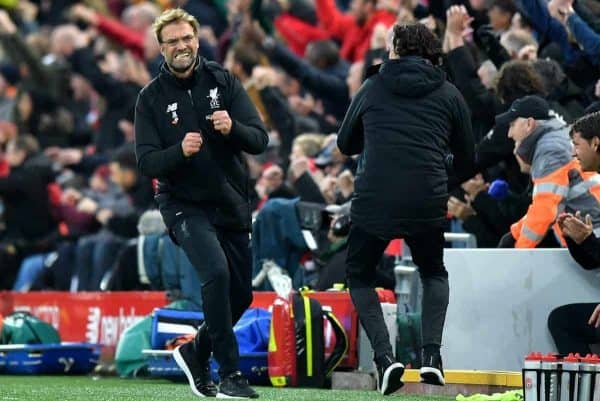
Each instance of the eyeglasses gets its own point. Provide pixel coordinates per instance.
(187, 40)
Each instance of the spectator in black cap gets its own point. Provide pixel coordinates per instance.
(543, 147)
(533, 107)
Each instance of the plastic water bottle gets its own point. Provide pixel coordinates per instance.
(549, 383)
(596, 387)
(587, 375)
(569, 378)
(531, 373)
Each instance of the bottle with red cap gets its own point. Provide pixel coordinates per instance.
(549, 378)
(569, 377)
(587, 374)
(531, 376)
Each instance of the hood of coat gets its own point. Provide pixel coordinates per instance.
(411, 76)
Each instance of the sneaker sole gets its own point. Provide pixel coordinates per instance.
(432, 376)
(183, 366)
(392, 379)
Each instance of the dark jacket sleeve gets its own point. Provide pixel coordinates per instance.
(88, 163)
(587, 15)
(282, 118)
(488, 211)
(487, 40)
(587, 254)
(13, 184)
(462, 143)
(82, 61)
(308, 190)
(463, 69)
(585, 36)
(153, 160)
(323, 85)
(494, 148)
(350, 138)
(125, 226)
(19, 52)
(248, 132)
(537, 12)
(52, 80)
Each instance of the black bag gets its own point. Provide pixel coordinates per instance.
(297, 343)
(312, 216)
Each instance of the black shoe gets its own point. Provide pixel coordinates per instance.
(389, 376)
(196, 371)
(431, 370)
(235, 386)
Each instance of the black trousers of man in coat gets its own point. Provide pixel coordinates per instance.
(364, 253)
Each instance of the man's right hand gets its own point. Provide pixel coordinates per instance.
(191, 143)
(594, 320)
(86, 14)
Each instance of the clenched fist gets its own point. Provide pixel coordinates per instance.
(222, 122)
(191, 143)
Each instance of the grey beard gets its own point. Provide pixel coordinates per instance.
(180, 70)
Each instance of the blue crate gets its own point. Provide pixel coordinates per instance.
(171, 323)
(36, 359)
(253, 365)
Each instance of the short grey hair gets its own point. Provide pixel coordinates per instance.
(516, 39)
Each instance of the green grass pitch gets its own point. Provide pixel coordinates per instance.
(85, 388)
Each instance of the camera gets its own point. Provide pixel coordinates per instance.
(341, 226)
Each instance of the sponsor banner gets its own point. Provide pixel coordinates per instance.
(93, 317)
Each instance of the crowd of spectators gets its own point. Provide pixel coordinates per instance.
(70, 193)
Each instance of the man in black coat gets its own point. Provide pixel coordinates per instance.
(405, 121)
(192, 123)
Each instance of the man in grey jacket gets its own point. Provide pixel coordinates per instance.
(543, 146)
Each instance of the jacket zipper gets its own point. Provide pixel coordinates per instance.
(189, 91)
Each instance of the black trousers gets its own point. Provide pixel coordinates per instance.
(224, 262)
(427, 249)
(570, 330)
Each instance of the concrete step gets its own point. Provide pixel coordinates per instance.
(466, 382)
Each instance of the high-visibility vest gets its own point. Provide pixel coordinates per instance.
(566, 189)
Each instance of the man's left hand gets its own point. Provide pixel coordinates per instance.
(577, 228)
(222, 122)
(459, 209)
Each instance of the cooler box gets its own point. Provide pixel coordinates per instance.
(36, 359)
(170, 323)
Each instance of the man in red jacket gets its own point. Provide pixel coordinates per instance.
(353, 29)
